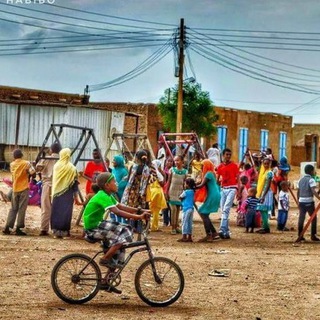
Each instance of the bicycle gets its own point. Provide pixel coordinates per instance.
(77, 278)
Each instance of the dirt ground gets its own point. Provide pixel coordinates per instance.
(270, 277)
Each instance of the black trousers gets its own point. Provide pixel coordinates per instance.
(208, 226)
(303, 209)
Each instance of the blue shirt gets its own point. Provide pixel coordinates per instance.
(187, 199)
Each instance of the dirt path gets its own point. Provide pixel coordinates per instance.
(270, 278)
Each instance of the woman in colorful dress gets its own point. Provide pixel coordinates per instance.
(264, 192)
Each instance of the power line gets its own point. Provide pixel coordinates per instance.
(70, 17)
(256, 76)
(258, 31)
(141, 68)
(110, 16)
(205, 42)
(260, 102)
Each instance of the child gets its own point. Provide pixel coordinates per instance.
(187, 200)
(196, 166)
(251, 206)
(283, 206)
(97, 228)
(177, 176)
(157, 198)
(242, 197)
(306, 193)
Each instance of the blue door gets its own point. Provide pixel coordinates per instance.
(222, 137)
(264, 139)
(282, 144)
(243, 142)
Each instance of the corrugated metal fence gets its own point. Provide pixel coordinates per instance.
(33, 124)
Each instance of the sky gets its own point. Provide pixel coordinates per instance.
(248, 54)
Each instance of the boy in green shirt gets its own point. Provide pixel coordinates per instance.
(96, 227)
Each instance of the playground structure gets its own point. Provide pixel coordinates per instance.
(184, 142)
(121, 141)
(55, 135)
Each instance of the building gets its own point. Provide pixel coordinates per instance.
(26, 115)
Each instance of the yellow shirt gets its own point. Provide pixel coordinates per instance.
(196, 165)
(20, 174)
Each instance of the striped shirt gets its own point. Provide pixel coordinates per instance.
(252, 203)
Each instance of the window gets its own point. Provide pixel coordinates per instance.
(282, 144)
(243, 142)
(264, 139)
(222, 137)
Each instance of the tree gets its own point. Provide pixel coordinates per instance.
(198, 112)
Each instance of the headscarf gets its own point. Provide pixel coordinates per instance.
(64, 173)
(284, 165)
(120, 172)
(263, 172)
(207, 165)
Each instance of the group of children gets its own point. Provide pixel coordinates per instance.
(248, 214)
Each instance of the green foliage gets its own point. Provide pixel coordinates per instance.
(198, 113)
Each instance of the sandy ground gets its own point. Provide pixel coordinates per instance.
(270, 277)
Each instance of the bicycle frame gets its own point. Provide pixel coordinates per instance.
(143, 245)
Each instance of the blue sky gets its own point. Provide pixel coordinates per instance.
(214, 29)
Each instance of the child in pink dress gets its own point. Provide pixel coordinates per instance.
(242, 197)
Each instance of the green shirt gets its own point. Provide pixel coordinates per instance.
(95, 209)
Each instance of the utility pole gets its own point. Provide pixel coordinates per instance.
(180, 84)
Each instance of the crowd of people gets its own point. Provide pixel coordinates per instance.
(166, 186)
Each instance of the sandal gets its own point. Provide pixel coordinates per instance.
(183, 240)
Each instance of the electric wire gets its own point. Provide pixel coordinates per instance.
(255, 76)
(110, 16)
(256, 62)
(153, 59)
(75, 18)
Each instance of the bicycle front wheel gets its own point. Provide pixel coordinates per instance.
(159, 282)
(75, 278)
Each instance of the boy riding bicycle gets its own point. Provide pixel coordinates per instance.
(116, 233)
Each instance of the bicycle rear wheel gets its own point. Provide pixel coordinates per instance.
(75, 278)
(162, 288)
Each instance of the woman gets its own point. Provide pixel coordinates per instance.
(264, 192)
(211, 202)
(64, 193)
(120, 173)
(135, 192)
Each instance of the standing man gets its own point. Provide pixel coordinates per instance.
(45, 166)
(227, 177)
(20, 170)
(93, 169)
